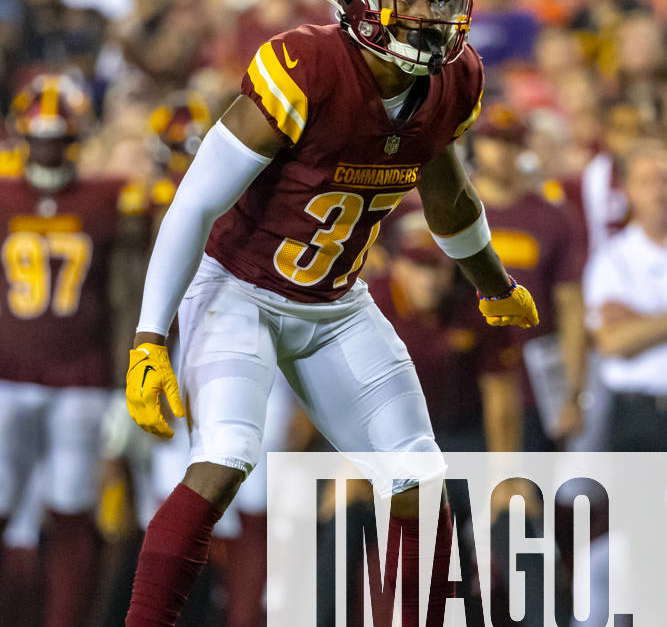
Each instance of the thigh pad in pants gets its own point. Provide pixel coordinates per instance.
(228, 367)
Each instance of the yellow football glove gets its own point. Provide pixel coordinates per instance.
(517, 309)
(150, 373)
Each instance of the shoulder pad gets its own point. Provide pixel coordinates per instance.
(12, 163)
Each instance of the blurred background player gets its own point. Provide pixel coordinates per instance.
(63, 302)
(177, 128)
(536, 241)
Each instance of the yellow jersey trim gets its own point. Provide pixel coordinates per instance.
(472, 119)
(281, 96)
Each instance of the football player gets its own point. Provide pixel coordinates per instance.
(283, 200)
(177, 128)
(537, 241)
(57, 233)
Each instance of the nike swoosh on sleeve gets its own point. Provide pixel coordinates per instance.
(290, 64)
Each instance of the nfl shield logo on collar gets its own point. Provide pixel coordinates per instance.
(392, 145)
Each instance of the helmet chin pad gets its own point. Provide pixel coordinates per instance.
(423, 46)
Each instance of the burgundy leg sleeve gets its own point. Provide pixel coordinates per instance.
(173, 553)
(440, 588)
(72, 554)
(247, 573)
(20, 590)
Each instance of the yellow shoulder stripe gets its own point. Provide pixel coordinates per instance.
(472, 119)
(280, 95)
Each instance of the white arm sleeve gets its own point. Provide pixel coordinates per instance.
(221, 171)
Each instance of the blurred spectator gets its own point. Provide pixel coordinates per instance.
(258, 22)
(557, 52)
(11, 17)
(536, 242)
(626, 293)
(165, 39)
(598, 196)
(112, 9)
(503, 33)
(557, 156)
(642, 66)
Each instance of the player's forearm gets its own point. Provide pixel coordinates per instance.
(455, 215)
(572, 335)
(221, 171)
(631, 337)
(463, 234)
(485, 271)
(177, 253)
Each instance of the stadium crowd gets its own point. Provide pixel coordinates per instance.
(569, 157)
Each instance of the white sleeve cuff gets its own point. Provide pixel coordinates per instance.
(467, 242)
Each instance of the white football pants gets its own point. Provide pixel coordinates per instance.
(58, 427)
(343, 359)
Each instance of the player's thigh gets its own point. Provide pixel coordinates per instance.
(251, 497)
(363, 394)
(21, 438)
(228, 367)
(73, 448)
(362, 388)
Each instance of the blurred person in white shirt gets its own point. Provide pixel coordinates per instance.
(626, 294)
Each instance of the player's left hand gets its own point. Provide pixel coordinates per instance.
(516, 309)
(149, 374)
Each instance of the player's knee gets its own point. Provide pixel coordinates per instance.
(406, 504)
(217, 484)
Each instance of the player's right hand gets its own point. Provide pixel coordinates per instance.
(149, 374)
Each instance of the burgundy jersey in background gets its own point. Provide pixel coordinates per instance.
(536, 242)
(55, 314)
(304, 226)
(451, 350)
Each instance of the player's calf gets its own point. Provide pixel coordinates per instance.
(177, 542)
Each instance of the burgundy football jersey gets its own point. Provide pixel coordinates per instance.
(304, 227)
(55, 315)
(451, 350)
(536, 242)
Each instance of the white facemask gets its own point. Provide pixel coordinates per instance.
(48, 179)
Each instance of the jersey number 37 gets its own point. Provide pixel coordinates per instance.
(329, 242)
